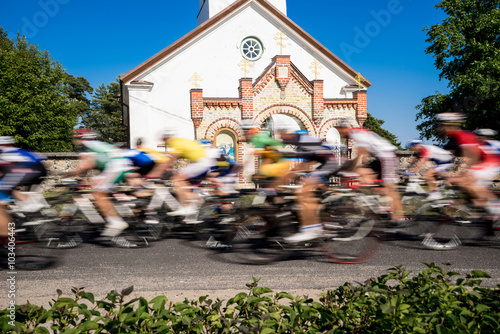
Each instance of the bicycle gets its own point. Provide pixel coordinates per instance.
(352, 230)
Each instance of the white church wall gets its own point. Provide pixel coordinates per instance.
(215, 57)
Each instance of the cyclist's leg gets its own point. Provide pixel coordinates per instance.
(102, 186)
(388, 175)
(310, 222)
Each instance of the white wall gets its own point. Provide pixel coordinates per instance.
(215, 57)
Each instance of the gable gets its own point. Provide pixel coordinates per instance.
(267, 13)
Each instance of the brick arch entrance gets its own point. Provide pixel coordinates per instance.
(290, 110)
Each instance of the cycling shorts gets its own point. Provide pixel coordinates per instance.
(20, 175)
(444, 167)
(114, 172)
(385, 167)
(199, 168)
(484, 173)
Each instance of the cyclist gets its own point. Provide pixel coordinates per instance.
(384, 165)
(431, 153)
(486, 136)
(200, 163)
(109, 160)
(273, 164)
(159, 158)
(482, 164)
(18, 167)
(319, 162)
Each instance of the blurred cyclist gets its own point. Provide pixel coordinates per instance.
(384, 166)
(482, 163)
(18, 167)
(486, 136)
(109, 160)
(200, 163)
(430, 153)
(273, 165)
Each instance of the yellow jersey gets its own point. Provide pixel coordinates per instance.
(186, 149)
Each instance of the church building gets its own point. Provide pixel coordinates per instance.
(245, 60)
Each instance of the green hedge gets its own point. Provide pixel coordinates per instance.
(433, 301)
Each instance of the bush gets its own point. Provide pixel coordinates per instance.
(428, 302)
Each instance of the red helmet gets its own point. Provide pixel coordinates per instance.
(84, 134)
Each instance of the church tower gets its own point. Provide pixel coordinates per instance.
(209, 8)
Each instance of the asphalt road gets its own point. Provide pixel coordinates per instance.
(182, 268)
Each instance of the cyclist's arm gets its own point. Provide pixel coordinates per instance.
(87, 162)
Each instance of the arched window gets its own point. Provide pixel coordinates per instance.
(225, 140)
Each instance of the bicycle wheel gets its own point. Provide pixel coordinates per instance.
(30, 252)
(351, 235)
(446, 225)
(256, 240)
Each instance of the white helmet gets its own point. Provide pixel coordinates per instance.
(343, 123)
(84, 134)
(414, 142)
(450, 118)
(248, 124)
(167, 133)
(485, 132)
(6, 140)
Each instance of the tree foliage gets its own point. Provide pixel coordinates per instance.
(105, 114)
(466, 48)
(34, 102)
(375, 125)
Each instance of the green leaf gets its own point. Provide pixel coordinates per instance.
(127, 291)
(42, 330)
(479, 274)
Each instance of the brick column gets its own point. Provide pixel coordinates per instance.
(283, 71)
(361, 112)
(318, 105)
(246, 96)
(196, 96)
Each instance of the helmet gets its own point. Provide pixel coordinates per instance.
(84, 134)
(167, 133)
(485, 132)
(343, 123)
(248, 124)
(6, 140)
(414, 142)
(450, 118)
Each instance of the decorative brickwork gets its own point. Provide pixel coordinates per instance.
(246, 96)
(281, 89)
(362, 110)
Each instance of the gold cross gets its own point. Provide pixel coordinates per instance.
(315, 67)
(245, 66)
(195, 78)
(281, 37)
(359, 78)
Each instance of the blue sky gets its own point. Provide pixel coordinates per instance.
(382, 39)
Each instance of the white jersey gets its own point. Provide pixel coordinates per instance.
(376, 145)
(495, 145)
(436, 154)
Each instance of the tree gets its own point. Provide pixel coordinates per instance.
(77, 90)
(466, 48)
(34, 103)
(105, 115)
(375, 125)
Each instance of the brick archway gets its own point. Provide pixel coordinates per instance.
(223, 123)
(287, 109)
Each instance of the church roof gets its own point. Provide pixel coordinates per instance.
(134, 73)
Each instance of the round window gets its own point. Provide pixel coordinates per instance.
(251, 48)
